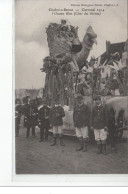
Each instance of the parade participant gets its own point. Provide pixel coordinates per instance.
(31, 116)
(112, 128)
(81, 123)
(120, 122)
(43, 121)
(18, 111)
(56, 115)
(99, 125)
(64, 26)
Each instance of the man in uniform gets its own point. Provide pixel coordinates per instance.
(18, 111)
(31, 116)
(99, 125)
(81, 122)
(56, 115)
(43, 121)
(112, 128)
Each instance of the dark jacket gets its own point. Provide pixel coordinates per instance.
(99, 117)
(18, 110)
(43, 117)
(56, 115)
(18, 113)
(111, 122)
(81, 116)
(31, 114)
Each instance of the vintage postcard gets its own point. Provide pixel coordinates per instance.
(71, 87)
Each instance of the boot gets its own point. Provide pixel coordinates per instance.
(114, 149)
(33, 131)
(99, 146)
(17, 131)
(41, 134)
(61, 141)
(85, 145)
(104, 149)
(40, 140)
(28, 132)
(46, 134)
(81, 145)
(54, 141)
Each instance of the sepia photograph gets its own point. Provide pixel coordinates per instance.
(70, 87)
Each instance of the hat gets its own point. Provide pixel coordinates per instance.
(56, 100)
(97, 98)
(79, 97)
(63, 21)
(17, 100)
(31, 101)
(44, 100)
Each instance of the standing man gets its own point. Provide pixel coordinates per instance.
(56, 115)
(43, 121)
(112, 129)
(99, 125)
(18, 111)
(31, 116)
(81, 122)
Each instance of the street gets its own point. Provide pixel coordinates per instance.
(33, 157)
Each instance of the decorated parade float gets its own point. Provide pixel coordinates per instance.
(68, 72)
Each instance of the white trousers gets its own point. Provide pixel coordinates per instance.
(100, 134)
(57, 129)
(82, 132)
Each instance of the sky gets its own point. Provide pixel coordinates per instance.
(31, 20)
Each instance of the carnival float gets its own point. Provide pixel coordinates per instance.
(68, 72)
